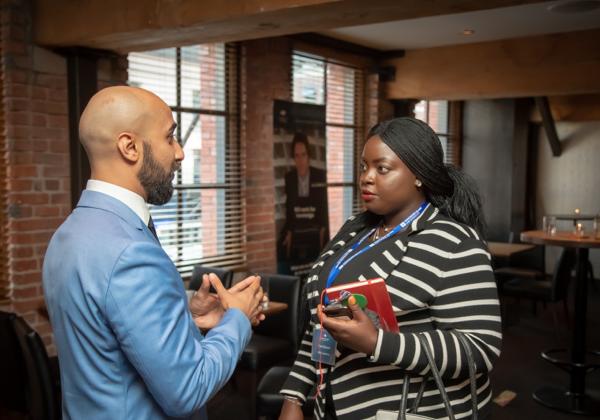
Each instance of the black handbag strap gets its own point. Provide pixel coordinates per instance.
(435, 373)
(403, 402)
(471, 363)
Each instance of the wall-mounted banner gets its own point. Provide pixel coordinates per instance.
(300, 184)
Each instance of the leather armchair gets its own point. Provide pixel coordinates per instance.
(42, 387)
(224, 274)
(276, 339)
(12, 369)
(268, 399)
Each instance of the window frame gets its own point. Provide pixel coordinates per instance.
(231, 184)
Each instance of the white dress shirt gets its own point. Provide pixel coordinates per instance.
(132, 200)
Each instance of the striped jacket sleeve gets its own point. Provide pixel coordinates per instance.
(463, 297)
(301, 379)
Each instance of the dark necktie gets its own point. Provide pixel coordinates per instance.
(152, 228)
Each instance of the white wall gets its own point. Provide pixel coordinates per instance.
(571, 180)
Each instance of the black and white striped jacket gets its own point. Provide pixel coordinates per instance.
(439, 278)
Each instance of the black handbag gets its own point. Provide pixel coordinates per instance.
(405, 414)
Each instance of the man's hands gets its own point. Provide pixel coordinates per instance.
(358, 333)
(207, 308)
(247, 296)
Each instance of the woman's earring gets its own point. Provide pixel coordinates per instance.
(418, 183)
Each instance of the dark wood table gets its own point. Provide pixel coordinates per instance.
(506, 249)
(574, 398)
(275, 308)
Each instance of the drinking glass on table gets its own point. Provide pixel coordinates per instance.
(264, 283)
(549, 225)
(579, 230)
(596, 229)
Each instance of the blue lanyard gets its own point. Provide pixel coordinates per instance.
(347, 257)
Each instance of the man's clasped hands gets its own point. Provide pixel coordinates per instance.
(208, 308)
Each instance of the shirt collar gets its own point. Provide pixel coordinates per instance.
(132, 200)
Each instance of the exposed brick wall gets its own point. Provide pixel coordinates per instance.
(372, 103)
(36, 129)
(266, 67)
(4, 281)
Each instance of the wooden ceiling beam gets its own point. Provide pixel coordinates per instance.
(135, 25)
(557, 64)
(548, 122)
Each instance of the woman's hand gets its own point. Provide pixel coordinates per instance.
(291, 411)
(358, 333)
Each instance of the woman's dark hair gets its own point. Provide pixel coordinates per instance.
(300, 137)
(445, 186)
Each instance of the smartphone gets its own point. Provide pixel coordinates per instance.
(337, 311)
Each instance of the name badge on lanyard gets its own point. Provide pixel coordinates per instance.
(349, 255)
(324, 347)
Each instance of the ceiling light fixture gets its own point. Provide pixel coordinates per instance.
(574, 6)
(468, 32)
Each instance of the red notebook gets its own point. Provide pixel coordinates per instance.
(378, 300)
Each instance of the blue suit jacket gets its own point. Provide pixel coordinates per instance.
(127, 345)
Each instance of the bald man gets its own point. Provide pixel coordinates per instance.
(128, 341)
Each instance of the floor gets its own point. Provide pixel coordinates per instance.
(519, 369)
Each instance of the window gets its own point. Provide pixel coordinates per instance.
(197, 155)
(437, 115)
(339, 87)
(202, 224)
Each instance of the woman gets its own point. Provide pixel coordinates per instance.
(438, 275)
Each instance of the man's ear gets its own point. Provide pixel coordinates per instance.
(130, 147)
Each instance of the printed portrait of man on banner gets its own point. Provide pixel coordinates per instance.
(301, 184)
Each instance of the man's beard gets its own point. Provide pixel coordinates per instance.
(157, 182)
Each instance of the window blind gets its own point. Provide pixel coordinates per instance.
(4, 278)
(203, 222)
(440, 117)
(340, 88)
